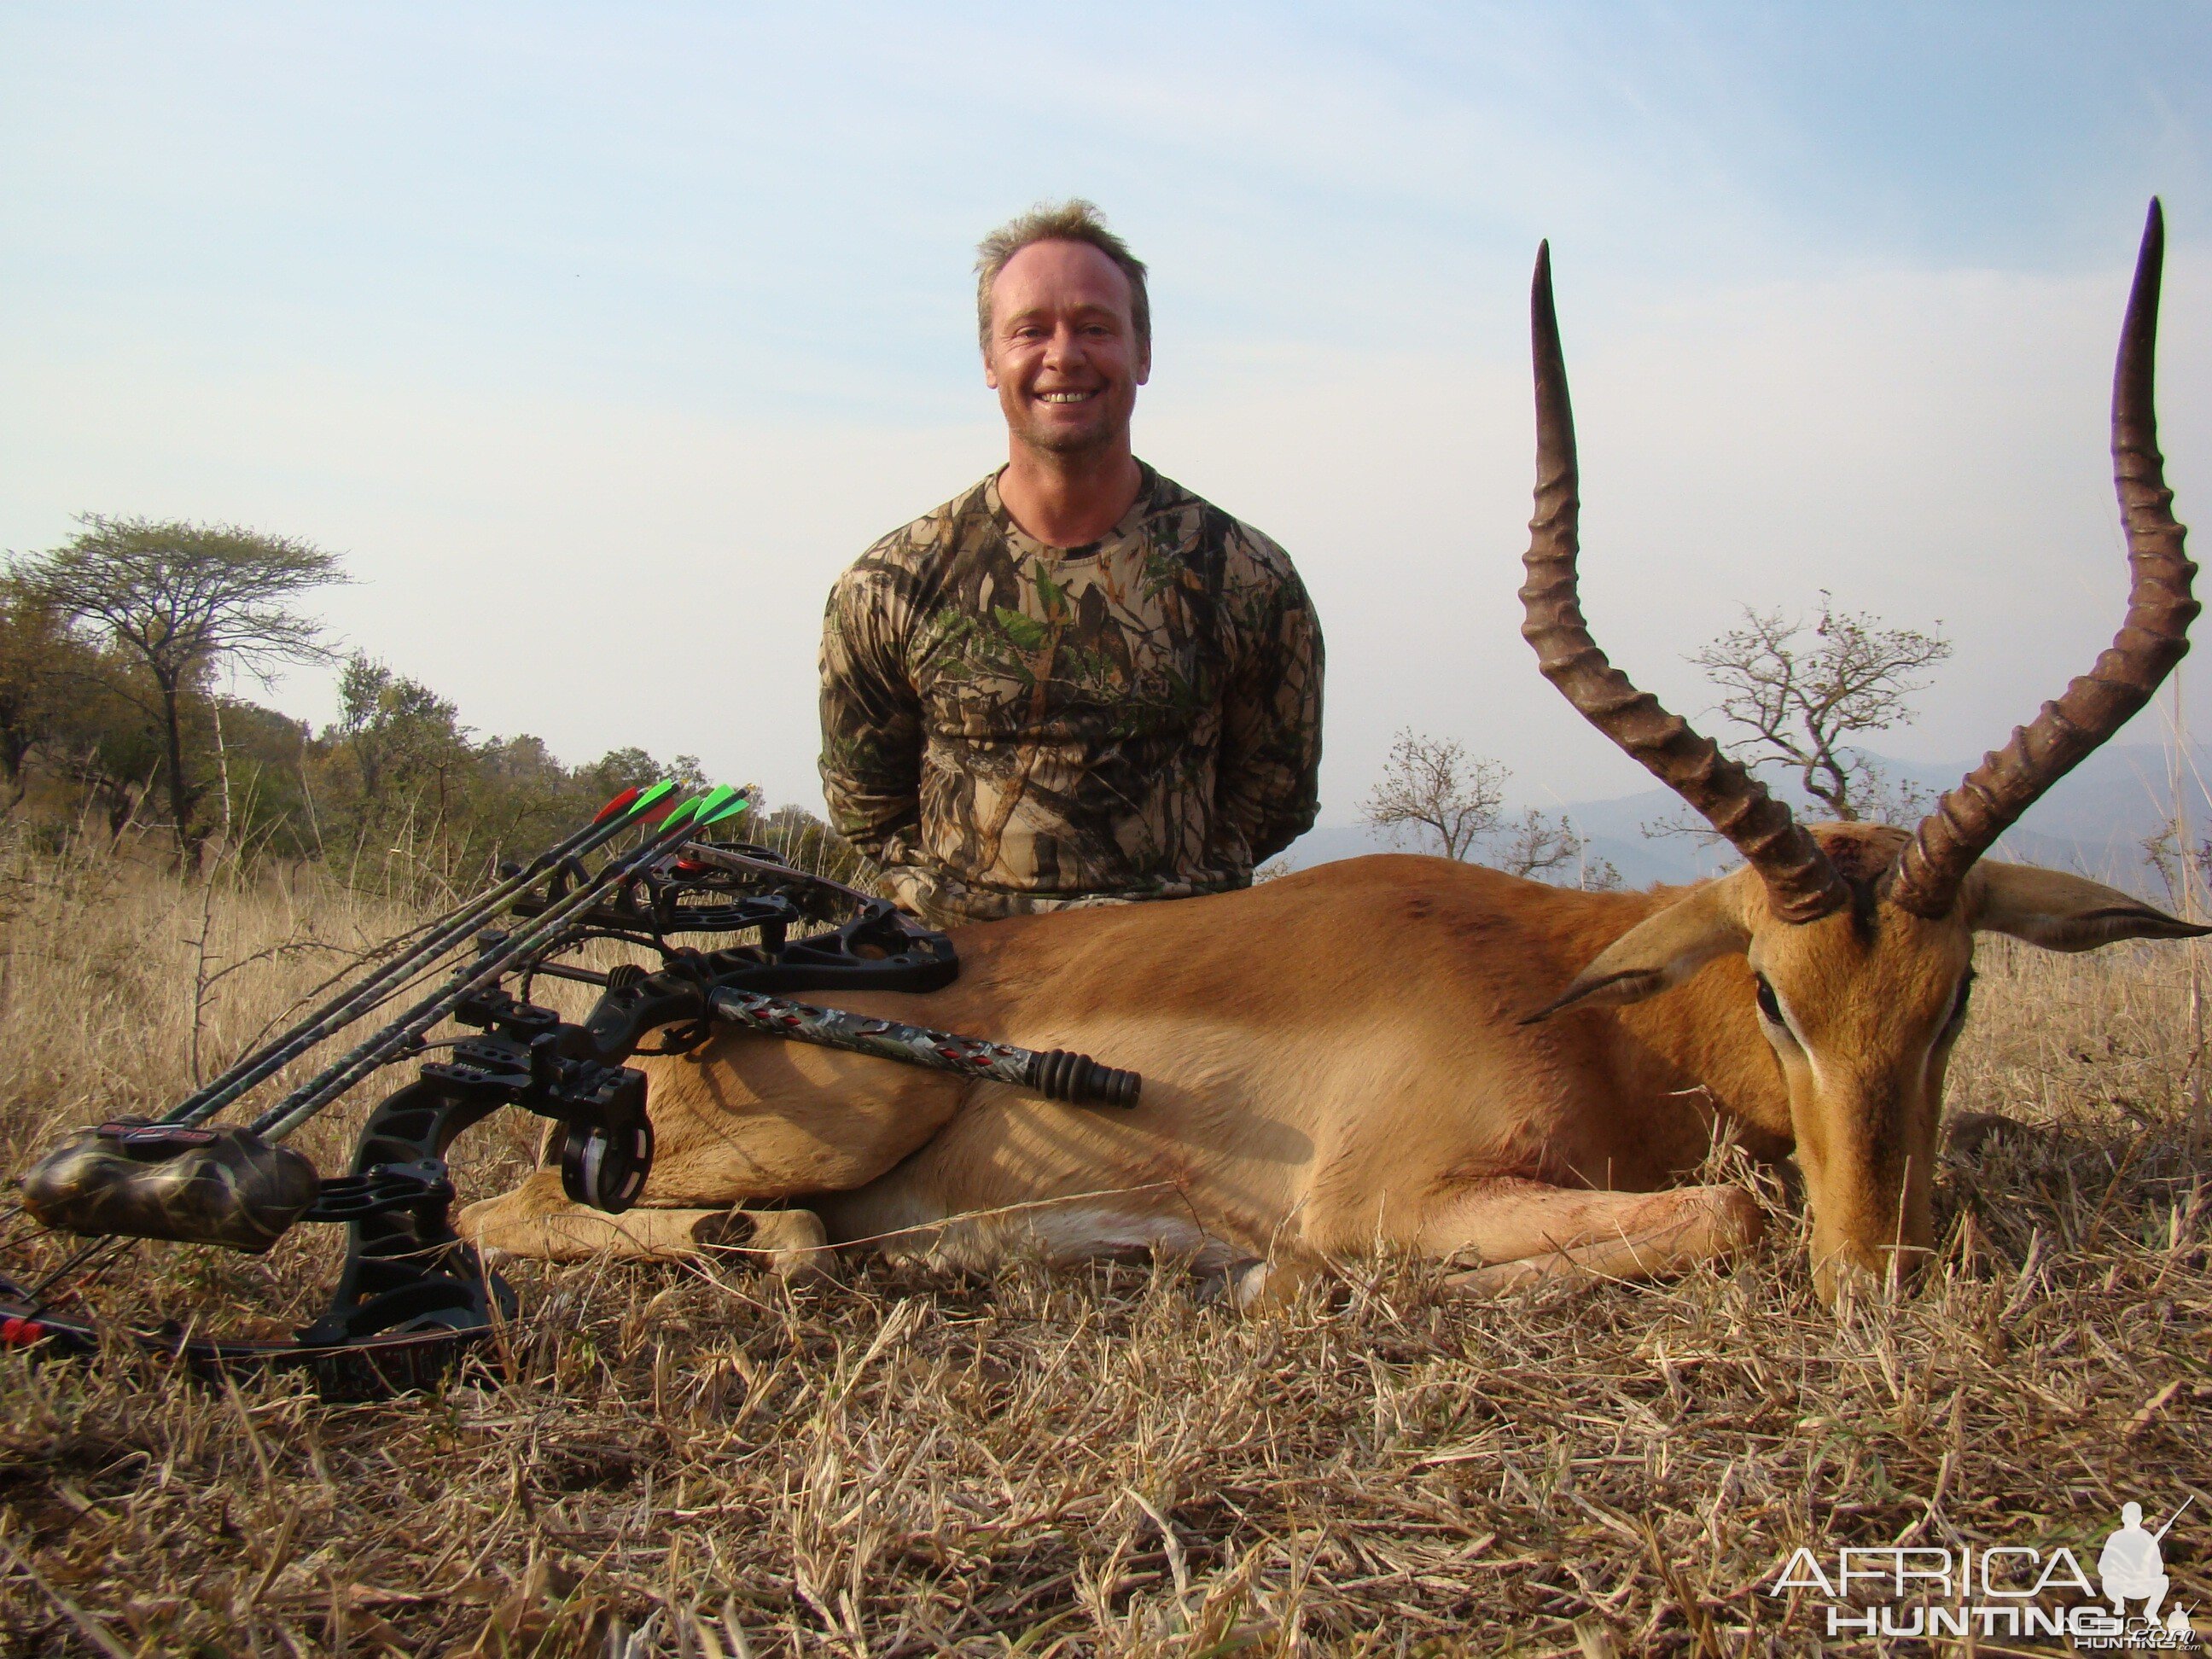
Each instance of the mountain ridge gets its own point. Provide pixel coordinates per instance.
(2094, 821)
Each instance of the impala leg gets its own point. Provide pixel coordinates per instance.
(1274, 1284)
(1525, 1232)
(539, 1221)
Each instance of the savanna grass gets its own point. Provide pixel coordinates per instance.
(700, 1461)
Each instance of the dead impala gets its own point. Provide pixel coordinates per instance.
(1432, 1056)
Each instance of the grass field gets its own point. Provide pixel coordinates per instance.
(701, 1461)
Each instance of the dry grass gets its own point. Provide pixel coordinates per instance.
(675, 1463)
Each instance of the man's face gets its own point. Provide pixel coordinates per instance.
(1063, 357)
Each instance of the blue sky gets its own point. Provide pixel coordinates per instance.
(598, 338)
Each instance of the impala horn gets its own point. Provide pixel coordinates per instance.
(1801, 885)
(1968, 820)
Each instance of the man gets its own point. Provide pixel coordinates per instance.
(1076, 683)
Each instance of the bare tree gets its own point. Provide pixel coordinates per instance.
(1801, 693)
(1437, 797)
(175, 600)
(1544, 849)
(1803, 702)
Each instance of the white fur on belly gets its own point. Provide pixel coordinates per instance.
(1061, 1235)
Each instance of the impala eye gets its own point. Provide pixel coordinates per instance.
(1769, 1003)
(1957, 1014)
(1778, 1029)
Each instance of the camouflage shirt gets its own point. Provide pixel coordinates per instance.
(1008, 726)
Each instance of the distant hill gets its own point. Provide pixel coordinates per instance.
(2095, 821)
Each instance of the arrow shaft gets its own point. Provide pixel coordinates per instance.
(311, 1096)
(354, 1003)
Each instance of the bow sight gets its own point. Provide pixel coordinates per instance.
(412, 1293)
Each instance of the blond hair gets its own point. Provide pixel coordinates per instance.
(1073, 221)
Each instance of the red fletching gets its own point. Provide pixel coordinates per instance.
(619, 804)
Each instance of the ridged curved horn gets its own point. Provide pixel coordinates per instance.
(1968, 820)
(1800, 884)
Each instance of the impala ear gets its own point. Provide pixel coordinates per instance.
(2061, 912)
(1659, 952)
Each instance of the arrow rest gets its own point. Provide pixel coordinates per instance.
(606, 1168)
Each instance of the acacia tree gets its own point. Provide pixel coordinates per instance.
(175, 600)
(1804, 699)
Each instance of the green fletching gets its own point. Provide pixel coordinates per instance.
(710, 804)
(681, 815)
(725, 812)
(651, 798)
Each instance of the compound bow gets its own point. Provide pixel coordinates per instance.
(413, 1297)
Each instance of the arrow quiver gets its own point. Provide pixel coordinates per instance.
(413, 1296)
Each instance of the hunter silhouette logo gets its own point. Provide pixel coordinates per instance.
(2133, 1567)
(2009, 1590)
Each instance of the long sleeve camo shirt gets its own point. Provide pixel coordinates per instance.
(1008, 726)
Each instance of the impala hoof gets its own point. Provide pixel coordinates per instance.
(1266, 1287)
(792, 1244)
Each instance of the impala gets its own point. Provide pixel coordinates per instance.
(1434, 1056)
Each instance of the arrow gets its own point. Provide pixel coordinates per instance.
(358, 1000)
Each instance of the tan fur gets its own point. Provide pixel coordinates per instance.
(1353, 1080)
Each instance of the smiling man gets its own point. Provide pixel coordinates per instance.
(1076, 683)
